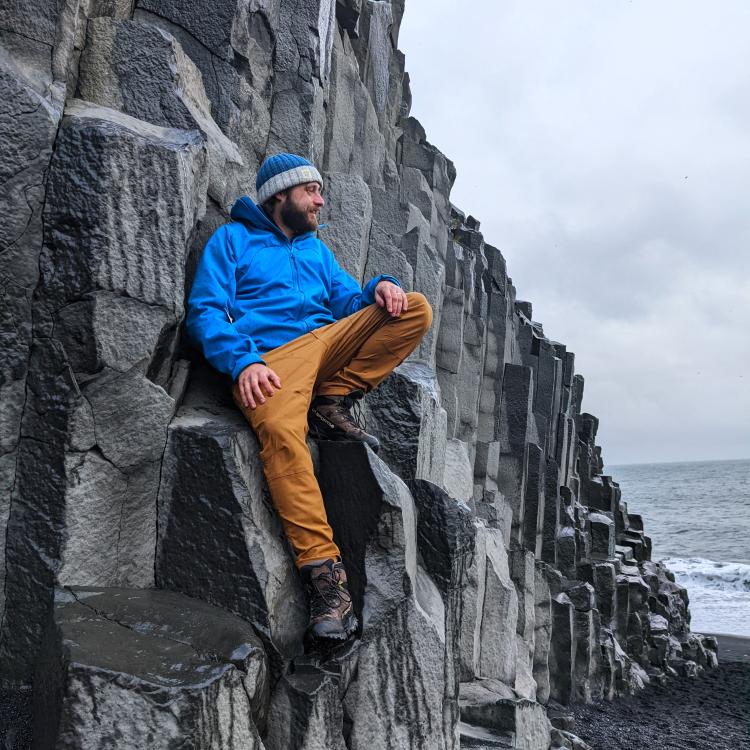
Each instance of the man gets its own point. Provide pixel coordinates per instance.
(272, 308)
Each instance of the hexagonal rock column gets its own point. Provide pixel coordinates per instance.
(348, 215)
(122, 199)
(306, 713)
(489, 647)
(143, 71)
(27, 132)
(137, 669)
(398, 696)
(445, 539)
(405, 412)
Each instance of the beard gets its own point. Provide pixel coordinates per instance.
(297, 219)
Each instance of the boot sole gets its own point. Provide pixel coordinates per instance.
(350, 628)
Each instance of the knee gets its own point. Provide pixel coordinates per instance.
(420, 308)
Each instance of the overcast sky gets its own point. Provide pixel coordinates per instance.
(605, 147)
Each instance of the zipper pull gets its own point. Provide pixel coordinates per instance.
(226, 310)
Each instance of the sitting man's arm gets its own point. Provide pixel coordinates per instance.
(209, 323)
(346, 296)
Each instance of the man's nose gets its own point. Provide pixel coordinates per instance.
(318, 198)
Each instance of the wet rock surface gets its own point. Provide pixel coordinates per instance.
(140, 668)
(485, 544)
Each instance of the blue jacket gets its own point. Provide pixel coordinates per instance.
(255, 290)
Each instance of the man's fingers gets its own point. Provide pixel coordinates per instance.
(257, 392)
(247, 394)
(388, 299)
(255, 383)
(399, 304)
(266, 384)
(405, 306)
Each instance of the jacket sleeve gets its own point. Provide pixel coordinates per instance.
(211, 299)
(346, 297)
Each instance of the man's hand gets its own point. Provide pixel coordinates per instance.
(391, 297)
(256, 382)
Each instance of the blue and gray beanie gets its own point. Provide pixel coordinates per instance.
(282, 171)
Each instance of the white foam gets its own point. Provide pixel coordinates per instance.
(698, 571)
(719, 594)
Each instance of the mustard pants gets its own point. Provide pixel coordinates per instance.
(354, 353)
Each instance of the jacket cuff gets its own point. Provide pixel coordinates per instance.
(368, 293)
(243, 362)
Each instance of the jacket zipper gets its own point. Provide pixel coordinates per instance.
(296, 276)
(294, 264)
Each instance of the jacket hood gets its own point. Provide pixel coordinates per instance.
(245, 209)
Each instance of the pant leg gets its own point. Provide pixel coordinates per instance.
(356, 352)
(281, 426)
(363, 349)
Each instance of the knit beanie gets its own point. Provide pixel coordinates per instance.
(282, 171)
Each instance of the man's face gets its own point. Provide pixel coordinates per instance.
(301, 206)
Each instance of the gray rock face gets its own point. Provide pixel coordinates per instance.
(160, 670)
(105, 239)
(494, 566)
(28, 123)
(348, 215)
(306, 713)
(233, 44)
(400, 608)
(405, 411)
(143, 71)
(102, 431)
(490, 704)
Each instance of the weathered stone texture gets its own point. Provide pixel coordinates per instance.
(146, 669)
(403, 617)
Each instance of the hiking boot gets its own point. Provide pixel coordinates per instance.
(331, 613)
(329, 418)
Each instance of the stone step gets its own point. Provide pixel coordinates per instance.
(161, 670)
(492, 705)
(479, 738)
(624, 553)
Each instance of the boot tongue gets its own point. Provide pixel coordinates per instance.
(317, 569)
(324, 569)
(351, 398)
(327, 400)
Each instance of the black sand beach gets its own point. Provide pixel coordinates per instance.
(711, 712)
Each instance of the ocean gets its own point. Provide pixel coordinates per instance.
(698, 517)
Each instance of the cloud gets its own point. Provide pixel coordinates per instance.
(605, 149)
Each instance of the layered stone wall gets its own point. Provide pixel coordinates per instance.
(496, 570)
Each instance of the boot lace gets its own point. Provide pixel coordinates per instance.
(352, 408)
(327, 592)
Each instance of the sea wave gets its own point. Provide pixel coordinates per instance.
(697, 572)
(719, 594)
